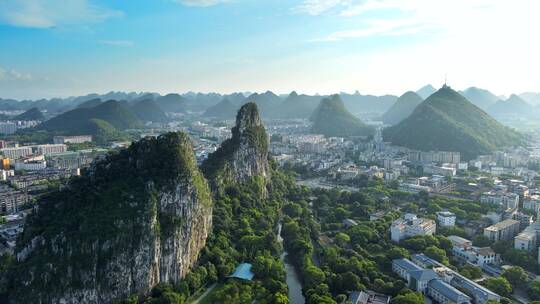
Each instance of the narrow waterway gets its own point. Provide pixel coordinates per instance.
(292, 279)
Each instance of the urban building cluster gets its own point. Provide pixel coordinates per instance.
(440, 283)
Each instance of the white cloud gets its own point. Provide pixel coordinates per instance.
(317, 7)
(117, 42)
(202, 3)
(11, 74)
(377, 27)
(52, 13)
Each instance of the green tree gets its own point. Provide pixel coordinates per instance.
(533, 290)
(437, 254)
(499, 285)
(292, 209)
(280, 298)
(481, 241)
(515, 275)
(471, 272)
(313, 276)
(409, 298)
(342, 239)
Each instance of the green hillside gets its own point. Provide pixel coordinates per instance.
(296, 106)
(332, 119)
(77, 121)
(266, 102)
(224, 109)
(147, 110)
(90, 103)
(172, 103)
(446, 121)
(31, 114)
(403, 107)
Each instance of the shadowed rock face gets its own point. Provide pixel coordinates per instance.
(136, 219)
(243, 156)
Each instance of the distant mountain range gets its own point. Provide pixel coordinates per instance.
(358, 103)
(426, 91)
(447, 121)
(271, 106)
(402, 108)
(331, 118)
(90, 103)
(481, 98)
(296, 106)
(531, 97)
(514, 106)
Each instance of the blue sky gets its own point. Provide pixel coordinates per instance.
(70, 47)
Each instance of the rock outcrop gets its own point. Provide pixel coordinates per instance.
(245, 155)
(136, 219)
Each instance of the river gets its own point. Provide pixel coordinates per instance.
(293, 281)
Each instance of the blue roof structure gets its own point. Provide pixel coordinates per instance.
(243, 272)
(424, 275)
(448, 291)
(406, 264)
(422, 258)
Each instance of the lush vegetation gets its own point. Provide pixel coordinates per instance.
(31, 114)
(225, 109)
(244, 230)
(403, 107)
(148, 110)
(111, 206)
(296, 106)
(331, 118)
(446, 121)
(78, 121)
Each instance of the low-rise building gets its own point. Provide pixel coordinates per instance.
(78, 139)
(532, 203)
(528, 238)
(436, 170)
(502, 231)
(16, 152)
(500, 198)
(410, 225)
(368, 297)
(7, 127)
(444, 293)
(413, 188)
(48, 149)
(446, 218)
(31, 165)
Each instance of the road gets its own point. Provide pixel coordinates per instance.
(205, 293)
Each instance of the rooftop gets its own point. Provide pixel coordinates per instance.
(243, 272)
(502, 225)
(407, 264)
(447, 290)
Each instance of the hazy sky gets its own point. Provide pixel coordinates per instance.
(71, 47)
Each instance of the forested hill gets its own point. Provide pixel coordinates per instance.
(403, 107)
(446, 121)
(331, 118)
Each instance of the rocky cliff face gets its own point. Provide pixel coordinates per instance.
(138, 218)
(243, 156)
